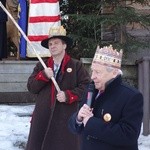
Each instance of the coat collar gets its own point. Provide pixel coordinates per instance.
(113, 83)
(63, 64)
(110, 86)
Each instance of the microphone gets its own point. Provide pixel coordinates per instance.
(91, 88)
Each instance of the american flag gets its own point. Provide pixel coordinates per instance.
(43, 14)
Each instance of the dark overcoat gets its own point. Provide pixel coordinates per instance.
(3, 32)
(50, 132)
(3, 15)
(125, 105)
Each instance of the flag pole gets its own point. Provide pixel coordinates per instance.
(26, 38)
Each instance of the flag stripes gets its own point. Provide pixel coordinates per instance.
(37, 38)
(44, 1)
(44, 9)
(44, 19)
(37, 26)
(43, 14)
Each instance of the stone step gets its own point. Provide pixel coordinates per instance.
(13, 81)
(14, 75)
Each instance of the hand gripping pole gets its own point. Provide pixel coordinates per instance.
(26, 38)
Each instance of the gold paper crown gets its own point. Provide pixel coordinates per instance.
(108, 56)
(57, 31)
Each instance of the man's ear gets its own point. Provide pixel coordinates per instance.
(115, 72)
(64, 46)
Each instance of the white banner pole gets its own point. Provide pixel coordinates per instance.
(26, 38)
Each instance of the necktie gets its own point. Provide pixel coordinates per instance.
(56, 68)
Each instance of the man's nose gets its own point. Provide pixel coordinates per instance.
(92, 76)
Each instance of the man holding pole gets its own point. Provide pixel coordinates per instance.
(49, 122)
(48, 125)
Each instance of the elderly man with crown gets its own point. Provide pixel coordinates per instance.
(112, 120)
(48, 129)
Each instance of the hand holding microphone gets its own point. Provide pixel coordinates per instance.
(86, 112)
(90, 92)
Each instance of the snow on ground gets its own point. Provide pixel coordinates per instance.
(15, 124)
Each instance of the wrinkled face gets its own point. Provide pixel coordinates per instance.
(101, 75)
(56, 46)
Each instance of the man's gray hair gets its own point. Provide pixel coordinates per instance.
(109, 69)
(120, 72)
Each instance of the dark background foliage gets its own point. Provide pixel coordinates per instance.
(94, 22)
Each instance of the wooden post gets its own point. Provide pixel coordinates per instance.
(144, 87)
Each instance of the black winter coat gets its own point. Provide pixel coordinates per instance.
(3, 15)
(125, 105)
